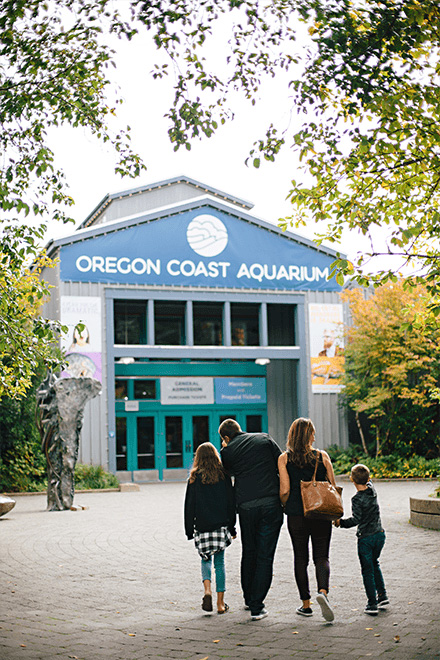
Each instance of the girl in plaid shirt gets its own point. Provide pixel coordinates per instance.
(210, 519)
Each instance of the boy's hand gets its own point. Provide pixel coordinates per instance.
(337, 523)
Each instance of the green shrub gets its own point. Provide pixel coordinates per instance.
(22, 463)
(23, 470)
(391, 466)
(93, 476)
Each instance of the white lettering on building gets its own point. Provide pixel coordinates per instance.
(188, 268)
(211, 269)
(113, 265)
(261, 272)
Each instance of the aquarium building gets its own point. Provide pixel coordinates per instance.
(191, 311)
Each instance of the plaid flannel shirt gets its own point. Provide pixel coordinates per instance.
(208, 543)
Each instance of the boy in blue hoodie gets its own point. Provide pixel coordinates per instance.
(365, 513)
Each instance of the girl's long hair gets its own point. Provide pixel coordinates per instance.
(207, 465)
(299, 442)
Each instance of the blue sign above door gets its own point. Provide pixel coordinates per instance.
(200, 247)
(240, 390)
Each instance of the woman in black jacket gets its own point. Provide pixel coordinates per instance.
(210, 519)
(295, 465)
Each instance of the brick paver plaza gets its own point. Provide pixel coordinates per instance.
(120, 581)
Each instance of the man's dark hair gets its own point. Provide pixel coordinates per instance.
(229, 427)
(360, 474)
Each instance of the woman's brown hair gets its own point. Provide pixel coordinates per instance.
(299, 442)
(207, 465)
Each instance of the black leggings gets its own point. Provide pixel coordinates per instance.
(320, 531)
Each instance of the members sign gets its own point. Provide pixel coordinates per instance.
(240, 390)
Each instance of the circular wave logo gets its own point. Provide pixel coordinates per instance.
(207, 235)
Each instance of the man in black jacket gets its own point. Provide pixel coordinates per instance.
(252, 459)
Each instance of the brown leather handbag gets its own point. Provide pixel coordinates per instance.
(321, 499)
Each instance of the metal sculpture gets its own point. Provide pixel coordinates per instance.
(60, 412)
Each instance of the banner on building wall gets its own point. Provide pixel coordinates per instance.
(326, 347)
(186, 391)
(240, 390)
(82, 343)
(208, 248)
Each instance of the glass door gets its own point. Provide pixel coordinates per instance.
(135, 442)
(145, 445)
(200, 431)
(173, 441)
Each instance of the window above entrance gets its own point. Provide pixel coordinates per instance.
(208, 323)
(159, 322)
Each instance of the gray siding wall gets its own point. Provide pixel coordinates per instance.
(149, 200)
(282, 404)
(51, 308)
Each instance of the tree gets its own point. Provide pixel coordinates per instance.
(53, 60)
(393, 370)
(22, 463)
(25, 337)
(368, 100)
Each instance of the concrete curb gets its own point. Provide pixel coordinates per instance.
(425, 512)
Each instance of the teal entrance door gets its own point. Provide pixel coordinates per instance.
(136, 442)
(169, 440)
(183, 434)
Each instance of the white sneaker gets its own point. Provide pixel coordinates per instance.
(261, 615)
(326, 609)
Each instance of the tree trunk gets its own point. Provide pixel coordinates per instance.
(377, 442)
(361, 433)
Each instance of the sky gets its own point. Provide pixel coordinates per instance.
(218, 162)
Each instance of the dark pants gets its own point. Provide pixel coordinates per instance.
(260, 528)
(369, 549)
(301, 530)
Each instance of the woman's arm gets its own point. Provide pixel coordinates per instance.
(284, 478)
(329, 467)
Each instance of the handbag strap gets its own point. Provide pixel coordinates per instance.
(316, 468)
(316, 465)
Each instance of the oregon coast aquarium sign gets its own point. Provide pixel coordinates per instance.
(202, 247)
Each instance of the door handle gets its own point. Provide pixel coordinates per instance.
(187, 446)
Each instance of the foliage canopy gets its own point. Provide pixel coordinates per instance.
(365, 87)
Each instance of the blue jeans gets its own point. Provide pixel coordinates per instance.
(260, 528)
(369, 549)
(219, 566)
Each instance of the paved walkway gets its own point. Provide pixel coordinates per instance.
(119, 581)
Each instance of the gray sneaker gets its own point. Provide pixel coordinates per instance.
(326, 609)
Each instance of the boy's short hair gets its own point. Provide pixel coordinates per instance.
(360, 474)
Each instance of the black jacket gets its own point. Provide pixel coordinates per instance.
(209, 506)
(364, 512)
(253, 460)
